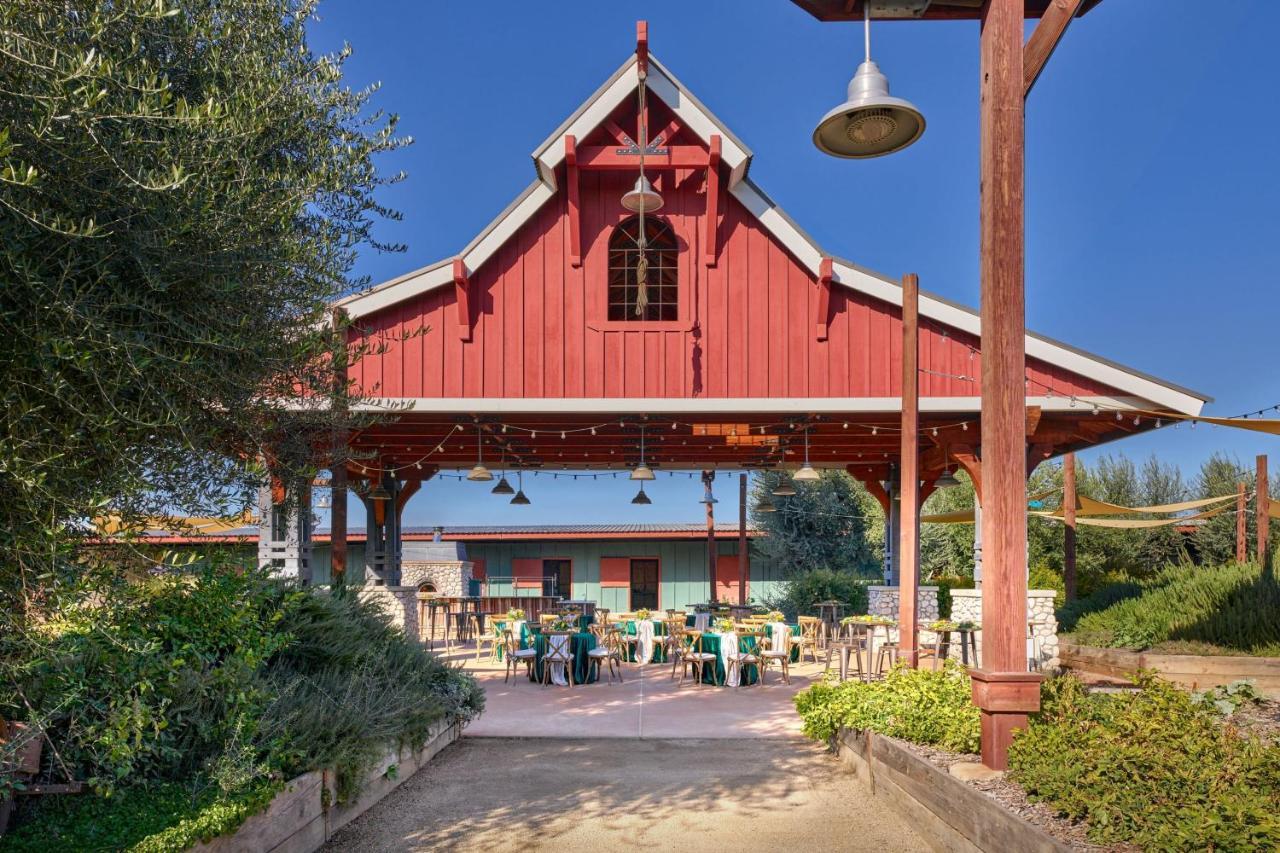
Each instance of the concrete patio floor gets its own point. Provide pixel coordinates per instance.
(598, 794)
(648, 704)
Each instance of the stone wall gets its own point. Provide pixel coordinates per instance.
(883, 601)
(400, 603)
(966, 606)
(449, 577)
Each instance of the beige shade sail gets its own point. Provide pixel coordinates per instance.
(1136, 523)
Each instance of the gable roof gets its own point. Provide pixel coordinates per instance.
(736, 157)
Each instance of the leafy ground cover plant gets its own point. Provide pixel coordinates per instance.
(1156, 768)
(1235, 607)
(922, 706)
(208, 682)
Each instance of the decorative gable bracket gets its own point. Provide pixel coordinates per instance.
(462, 285)
(822, 311)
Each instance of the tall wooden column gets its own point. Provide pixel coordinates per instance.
(1069, 525)
(744, 559)
(1003, 689)
(1263, 510)
(338, 462)
(709, 477)
(1242, 550)
(909, 504)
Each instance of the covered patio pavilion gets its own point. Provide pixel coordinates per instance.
(738, 344)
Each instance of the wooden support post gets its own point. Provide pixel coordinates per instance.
(823, 308)
(909, 507)
(1003, 689)
(1263, 510)
(1069, 525)
(744, 559)
(575, 206)
(462, 289)
(1242, 553)
(708, 477)
(711, 250)
(338, 464)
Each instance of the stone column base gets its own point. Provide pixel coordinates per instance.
(1004, 700)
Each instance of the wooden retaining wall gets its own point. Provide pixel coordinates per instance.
(951, 815)
(1195, 671)
(297, 820)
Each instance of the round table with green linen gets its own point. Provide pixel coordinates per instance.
(581, 643)
(659, 632)
(711, 643)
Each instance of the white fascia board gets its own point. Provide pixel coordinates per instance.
(1153, 394)
(779, 225)
(397, 289)
(587, 118)
(713, 405)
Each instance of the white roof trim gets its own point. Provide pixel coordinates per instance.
(716, 405)
(1151, 392)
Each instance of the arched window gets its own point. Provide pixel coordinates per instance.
(661, 292)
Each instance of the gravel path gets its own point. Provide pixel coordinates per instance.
(596, 794)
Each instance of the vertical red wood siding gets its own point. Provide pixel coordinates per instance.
(746, 330)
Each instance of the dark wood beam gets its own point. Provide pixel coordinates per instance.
(1044, 39)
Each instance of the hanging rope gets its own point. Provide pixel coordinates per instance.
(642, 265)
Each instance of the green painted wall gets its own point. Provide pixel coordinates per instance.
(682, 564)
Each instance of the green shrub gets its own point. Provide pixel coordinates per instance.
(1156, 769)
(1043, 576)
(802, 589)
(919, 705)
(213, 680)
(946, 583)
(1071, 612)
(1235, 607)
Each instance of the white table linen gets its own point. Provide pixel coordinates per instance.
(558, 645)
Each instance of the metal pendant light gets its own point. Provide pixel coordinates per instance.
(503, 487)
(642, 471)
(643, 198)
(323, 502)
(520, 499)
(479, 473)
(641, 498)
(784, 489)
(707, 497)
(765, 505)
(806, 472)
(946, 481)
(378, 492)
(870, 122)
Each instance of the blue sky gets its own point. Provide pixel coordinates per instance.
(1153, 226)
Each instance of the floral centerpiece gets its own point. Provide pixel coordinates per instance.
(724, 625)
(561, 624)
(642, 614)
(515, 614)
(775, 616)
(868, 619)
(939, 625)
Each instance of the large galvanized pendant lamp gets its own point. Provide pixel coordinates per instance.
(641, 498)
(642, 471)
(479, 473)
(520, 499)
(785, 488)
(765, 505)
(870, 122)
(806, 472)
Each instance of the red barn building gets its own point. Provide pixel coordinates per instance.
(756, 348)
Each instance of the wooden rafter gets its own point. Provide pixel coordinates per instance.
(1044, 39)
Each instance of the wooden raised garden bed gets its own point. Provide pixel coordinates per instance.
(1197, 672)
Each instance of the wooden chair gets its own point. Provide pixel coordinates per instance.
(779, 657)
(692, 657)
(743, 658)
(482, 639)
(559, 650)
(513, 656)
(628, 642)
(609, 649)
(548, 618)
(671, 640)
(601, 616)
(810, 627)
